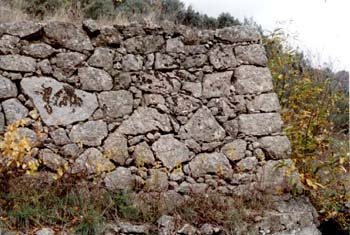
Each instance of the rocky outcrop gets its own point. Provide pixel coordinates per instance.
(153, 109)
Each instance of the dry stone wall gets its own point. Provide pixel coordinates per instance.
(164, 109)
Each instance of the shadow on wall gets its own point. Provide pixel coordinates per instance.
(331, 227)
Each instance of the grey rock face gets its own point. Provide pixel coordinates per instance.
(154, 83)
(65, 64)
(210, 163)
(133, 229)
(90, 133)
(278, 147)
(175, 45)
(158, 181)
(60, 136)
(92, 79)
(203, 127)
(67, 35)
(21, 29)
(116, 147)
(251, 54)
(195, 61)
(120, 179)
(8, 89)
(260, 124)
(116, 103)
(92, 161)
(59, 103)
(235, 150)
(45, 231)
(38, 50)
(132, 62)
(17, 63)
(217, 84)
(164, 61)
(275, 178)
(170, 151)
(195, 88)
(265, 103)
(222, 57)
(251, 79)
(247, 164)
(144, 45)
(51, 159)
(102, 58)
(2, 123)
(144, 120)
(143, 154)
(166, 225)
(238, 34)
(14, 110)
(8, 44)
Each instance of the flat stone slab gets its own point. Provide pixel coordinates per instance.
(17, 63)
(59, 103)
(260, 124)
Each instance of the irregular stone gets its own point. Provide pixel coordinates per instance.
(158, 181)
(116, 104)
(278, 176)
(170, 151)
(166, 225)
(102, 58)
(45, 67)
(145, 120)
(222, 57)
(21, 29)
(196, 49)
(38, 50)
(195, 88)
(120, 179)
(210, 163)
(238, 34)
(164, 61)
(153, 99)
(65, 64)
(59, 103)
(17, 63)
(116, 147)
(90, 133)
(132, 62)
(67, 35)
(45, 231)
(2, 123)
(8, 45)
(143, 155)
(52, 160)
(188, 229)
(8, 89)
(71, 150)
(129, 228)
(92, 79)
(60, 136)
(122, 81)
(175, 45)
(265, 103)
(209, 229)
(217, 84)
(154, 83)
(260, 124)
(91, 161)
(108, 36)
(251, 79)
(91, 26)
(278, 147)
(14, 110)
(203, 127)
(247, 164)
(183, 105)
(251, 54)
(231, 127)
(195, 61)
(235, 150)
(144, 45)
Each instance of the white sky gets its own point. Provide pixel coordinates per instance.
(322, 27)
